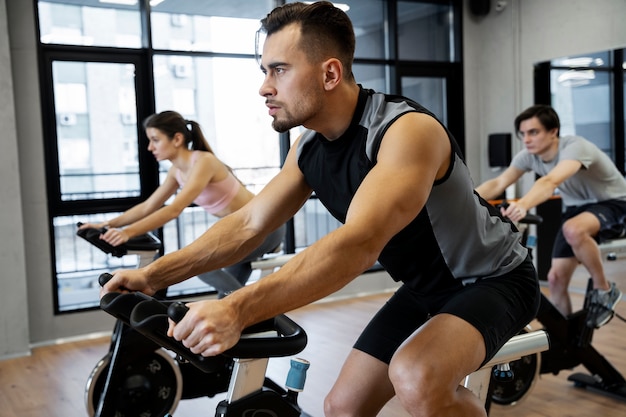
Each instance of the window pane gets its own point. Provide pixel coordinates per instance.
(232, 115)
(367, 18)
(96, 121)
(368, 21)
(79, 264)
(583, 101)
(90, 23)
(427, 32)
(207, 26)
(430, 92)
(371, 76)
(313, 222)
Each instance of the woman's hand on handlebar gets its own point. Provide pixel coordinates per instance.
(209, 327)
(115, 237)
(101, 225)
(514, 211)
(125, 280)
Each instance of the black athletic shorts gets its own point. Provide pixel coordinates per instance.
(610, 213)
(497, 307)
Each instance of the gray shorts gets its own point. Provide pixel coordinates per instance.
(610, 213)
(497, 307)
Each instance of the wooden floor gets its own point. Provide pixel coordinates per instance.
(51, 382)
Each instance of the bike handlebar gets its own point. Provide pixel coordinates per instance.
(532, 219)
(528, 219)
(149, 317)
(145, 242)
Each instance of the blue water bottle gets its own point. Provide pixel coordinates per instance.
(295, 380)
(297, 374)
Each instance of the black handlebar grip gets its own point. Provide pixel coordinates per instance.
(92, 236)
(104, 278)
(176, 311)
(532, 219)
(528, 219)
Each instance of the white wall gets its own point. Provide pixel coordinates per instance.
(499, 52)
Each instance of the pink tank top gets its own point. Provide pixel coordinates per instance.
(216, 196)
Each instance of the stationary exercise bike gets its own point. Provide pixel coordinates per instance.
(249, 392)
(122, 378)
(247, 395)
(137, 376)
(570, 346)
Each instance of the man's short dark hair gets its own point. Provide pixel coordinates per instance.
(326, 30)
(546, 115)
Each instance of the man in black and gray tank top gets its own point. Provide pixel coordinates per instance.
(394, 176)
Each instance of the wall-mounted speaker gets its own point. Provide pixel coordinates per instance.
(480, 8)
(499, 149)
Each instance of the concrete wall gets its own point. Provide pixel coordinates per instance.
(29, 285)
(499, 52)
(14, 334)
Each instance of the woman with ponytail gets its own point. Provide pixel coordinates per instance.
(196, 176)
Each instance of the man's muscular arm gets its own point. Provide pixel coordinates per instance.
(414, 153)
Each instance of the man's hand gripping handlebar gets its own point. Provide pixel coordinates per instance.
(528, 218)
(280, 335)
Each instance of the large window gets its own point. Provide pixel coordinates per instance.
(108, 64)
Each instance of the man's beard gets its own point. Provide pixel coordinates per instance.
(282, 126)
(306, 109)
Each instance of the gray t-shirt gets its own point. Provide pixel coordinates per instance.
(597, 180)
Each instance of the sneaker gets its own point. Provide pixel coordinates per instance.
(601, 306)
